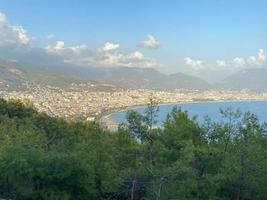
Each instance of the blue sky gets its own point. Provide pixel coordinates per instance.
(204, 30)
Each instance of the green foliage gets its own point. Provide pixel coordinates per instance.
(42, 157)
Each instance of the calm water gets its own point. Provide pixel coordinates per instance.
(203, 109)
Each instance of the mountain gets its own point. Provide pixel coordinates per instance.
(146, 78)
(152, 79)
(186, 81)
(16, 75)
(253, 79)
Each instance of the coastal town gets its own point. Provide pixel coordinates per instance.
(92, 105)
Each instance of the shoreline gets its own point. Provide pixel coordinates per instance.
(107, 121)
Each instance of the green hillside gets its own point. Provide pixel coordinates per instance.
(46, 158)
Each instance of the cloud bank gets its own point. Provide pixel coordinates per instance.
(110, 55)
(236, 63)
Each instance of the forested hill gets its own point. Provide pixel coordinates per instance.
(50, 158)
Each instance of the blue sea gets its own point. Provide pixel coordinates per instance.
(211, 109)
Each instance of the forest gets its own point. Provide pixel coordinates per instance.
(50, 158)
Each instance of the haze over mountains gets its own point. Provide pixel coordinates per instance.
(20, 76)
(17, 75)
(146, 78)
(253, 79)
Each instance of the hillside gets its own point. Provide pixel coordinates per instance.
(253, 79)
(50, 158)
(187, 81)
(17, 76)
(20, 76)
(147, 78)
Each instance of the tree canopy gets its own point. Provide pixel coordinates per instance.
(43, 157)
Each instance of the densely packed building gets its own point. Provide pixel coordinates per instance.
(89, 104)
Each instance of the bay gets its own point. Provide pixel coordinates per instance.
(211, 109)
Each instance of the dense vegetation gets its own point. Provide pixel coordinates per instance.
(51, 158)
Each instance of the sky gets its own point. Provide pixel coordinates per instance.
(208, 38)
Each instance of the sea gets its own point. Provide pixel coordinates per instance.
(203, 109)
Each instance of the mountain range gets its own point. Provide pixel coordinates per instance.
(16, 75)
(19, 76)
(252, 79)
(146, 78)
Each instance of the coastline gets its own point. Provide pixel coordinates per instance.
(107, 121)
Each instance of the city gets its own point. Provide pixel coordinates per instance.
(92, 105)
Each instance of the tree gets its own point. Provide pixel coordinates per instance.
(44, 157)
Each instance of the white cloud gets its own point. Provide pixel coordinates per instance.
(252, 60)
(117, 59)
(261, 56)
(136, 55)
(238, 62)
(60, 49)
(3, 19)
(59, 46)
(150, 43)
(110, 46)
(194, 64)
(235, 64)
(12, 36)
(259, 59)
(50, 36)
(221, 63)
(108, 56)
(22, 34)
(138, 59)
(111, 59)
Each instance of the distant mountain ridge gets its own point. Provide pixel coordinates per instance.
(124, 77)
(252, 79)
(147, 78)
(16, 75)
(19, 76)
